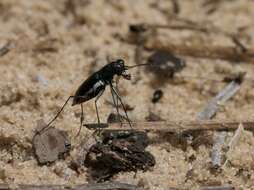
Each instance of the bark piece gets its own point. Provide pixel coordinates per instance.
(51, 144)
(118, 151)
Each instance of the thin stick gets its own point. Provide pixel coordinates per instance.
(181, 126)
(100, 186)
(213, 105)
(228, 187)
(96, 186)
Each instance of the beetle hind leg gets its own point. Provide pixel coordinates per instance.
(81, 119)
(96, 108)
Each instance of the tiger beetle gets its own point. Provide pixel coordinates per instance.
(94, 86)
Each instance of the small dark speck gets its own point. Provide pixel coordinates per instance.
(157, 95)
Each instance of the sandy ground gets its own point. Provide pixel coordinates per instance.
(34, 84)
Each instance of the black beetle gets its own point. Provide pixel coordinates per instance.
(94, 86)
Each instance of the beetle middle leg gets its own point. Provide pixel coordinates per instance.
(96, 108)
(120, 99)
(97, 113)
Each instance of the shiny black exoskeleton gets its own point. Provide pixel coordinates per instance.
(96, 83)
(94, 86)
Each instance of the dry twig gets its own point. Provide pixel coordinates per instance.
(228, 187)
(177, 126)
(97, 186)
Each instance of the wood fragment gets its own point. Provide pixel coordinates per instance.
(96, 186)
(236, 136)
(118, 151)
(96, 125)
(234, 140)
(99, 186)
(212, 107)
(210, 111)
(46, 45)
(216, 155)
(172, 26)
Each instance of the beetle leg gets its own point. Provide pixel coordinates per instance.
(114, 90)
(81, 119)
(97, 98)
(48, 126)
(115, 102)
(56, 116)
(117, 98)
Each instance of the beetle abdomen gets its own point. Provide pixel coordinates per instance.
(88, 90)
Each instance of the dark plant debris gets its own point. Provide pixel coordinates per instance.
(115, 118)
(95, 125)
(6, 48)
(117, 152)
(164, 65)
(236, 77)
(157, 95)
(137, 28)
(176, 6)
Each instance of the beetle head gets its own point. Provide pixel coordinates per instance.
(120, 69)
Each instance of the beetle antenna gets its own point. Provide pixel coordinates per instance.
(132, 66)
